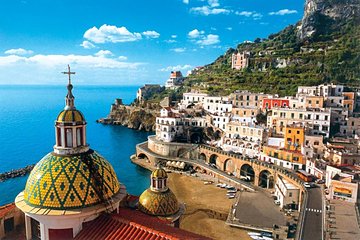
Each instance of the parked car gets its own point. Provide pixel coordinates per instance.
(309, 185)
(320, 181)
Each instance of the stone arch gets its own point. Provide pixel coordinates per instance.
(202, 157)
(266, 180)
(213, 159)
(247, 173)
(182, 152)
(142, 156)
(229, 166)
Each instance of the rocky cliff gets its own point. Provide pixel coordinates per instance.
(323, 16)
(135, 117)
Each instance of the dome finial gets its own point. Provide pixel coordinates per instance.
(69, 100)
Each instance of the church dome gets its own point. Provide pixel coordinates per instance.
(161, 204)
(71, 115)
(68, 182)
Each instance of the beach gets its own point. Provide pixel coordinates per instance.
(207, 207)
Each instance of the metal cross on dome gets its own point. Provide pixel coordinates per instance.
(69, 73)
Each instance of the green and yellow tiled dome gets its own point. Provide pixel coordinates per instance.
(69, 182)
(162, 204)
(71, 115)
(159, 173)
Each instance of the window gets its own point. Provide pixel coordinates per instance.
(290, 194)
(325, 128)
(69, 139)
(292, 115)
(326, 118)
(289, 131)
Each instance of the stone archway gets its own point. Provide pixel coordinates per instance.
(213, 159)
(202, 157)
(247, 173)
(266, 180)
(143, 156)
(229, 166)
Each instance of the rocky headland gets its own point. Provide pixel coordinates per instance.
(135, 116)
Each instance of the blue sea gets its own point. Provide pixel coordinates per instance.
(27, 115)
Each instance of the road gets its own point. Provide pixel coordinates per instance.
(312, 229)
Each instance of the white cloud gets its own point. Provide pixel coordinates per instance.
(108, 33)
(229, 28)
(244, 13)
(209, 40)
(213, 3)
(176, 68)
(87, 45)
(104, 53)
(173, 36)
(283, 12)
(186, 1)
(205, 10)
(151, 34)
(122, 58)
(195, 33)
(170, 41)
(86, 61)
(254, 15)
(178, 50)
(18, 51)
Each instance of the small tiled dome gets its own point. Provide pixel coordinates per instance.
(159, 173)
(158, 203)
(71, 115)
(68, 182)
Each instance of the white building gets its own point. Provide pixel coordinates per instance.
(217, 105)
(191, 98)
(171, 126)
(175, 80)
(287, 193)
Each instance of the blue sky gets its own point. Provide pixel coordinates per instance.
(128, 42)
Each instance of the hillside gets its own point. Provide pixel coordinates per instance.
(323, 47)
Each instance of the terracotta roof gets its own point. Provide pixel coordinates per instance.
(6, 209)
(132, 224)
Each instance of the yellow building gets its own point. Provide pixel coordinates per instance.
(290, 155)
(294, 137)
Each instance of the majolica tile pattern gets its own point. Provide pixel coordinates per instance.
(158, 203)
(70, 116)
(66, 182)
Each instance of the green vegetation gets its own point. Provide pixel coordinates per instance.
(333, 55)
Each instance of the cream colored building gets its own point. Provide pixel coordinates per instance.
(246, 139)
(287, 193)
(247, 99)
